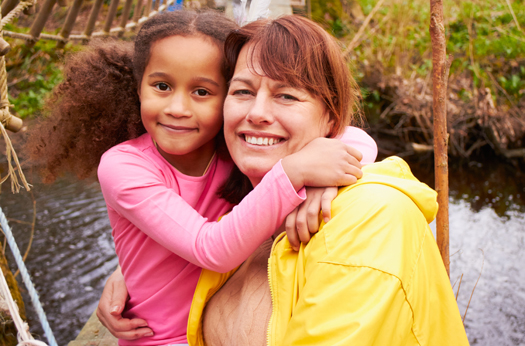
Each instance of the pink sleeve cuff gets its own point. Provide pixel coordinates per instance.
(288, 188)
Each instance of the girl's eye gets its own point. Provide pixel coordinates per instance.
(202, 92)
(162, 86)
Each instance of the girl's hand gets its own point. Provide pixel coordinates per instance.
(303, 222)
(110, 308)
(323, 162)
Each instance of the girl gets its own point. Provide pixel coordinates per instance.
(167, 161)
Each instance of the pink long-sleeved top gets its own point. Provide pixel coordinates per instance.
(162, 229)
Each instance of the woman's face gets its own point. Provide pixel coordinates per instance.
(266, 120)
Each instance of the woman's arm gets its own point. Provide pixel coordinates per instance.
(111, 305)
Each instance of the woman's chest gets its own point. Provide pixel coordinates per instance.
(239, 312)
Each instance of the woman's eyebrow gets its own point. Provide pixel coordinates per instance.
(242, 80)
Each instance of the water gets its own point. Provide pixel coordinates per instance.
(72, 252)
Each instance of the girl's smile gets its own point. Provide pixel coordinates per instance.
(182, 94)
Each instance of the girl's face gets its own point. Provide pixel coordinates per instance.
(266, 120)
(182, 95)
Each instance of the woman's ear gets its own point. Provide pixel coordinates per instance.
(329, 125)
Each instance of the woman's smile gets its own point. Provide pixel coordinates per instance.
(261, 140)
(266, 120)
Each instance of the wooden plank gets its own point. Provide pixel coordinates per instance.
(94, 334)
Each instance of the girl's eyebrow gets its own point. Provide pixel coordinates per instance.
(197, 79)
(206, 80)
(157, 74)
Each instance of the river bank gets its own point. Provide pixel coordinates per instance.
(73, 254)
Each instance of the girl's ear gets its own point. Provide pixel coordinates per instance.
(138, 92)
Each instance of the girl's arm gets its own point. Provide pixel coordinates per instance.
(360, 140)
(303, 222)
(138, 192)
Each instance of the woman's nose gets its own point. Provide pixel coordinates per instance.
(178, 105)
(260, 112)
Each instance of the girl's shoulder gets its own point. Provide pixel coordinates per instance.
(134, 153)
(140, 146)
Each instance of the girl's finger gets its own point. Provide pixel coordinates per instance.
(312, 213)
(301, 223)
(290, 228)
(329, 195)
(354, 152)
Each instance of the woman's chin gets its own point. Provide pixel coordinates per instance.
(255, 170)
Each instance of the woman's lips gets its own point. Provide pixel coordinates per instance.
(262, 140)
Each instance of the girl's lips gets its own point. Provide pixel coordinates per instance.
(177, 128)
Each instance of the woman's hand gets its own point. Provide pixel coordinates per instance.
(110, 308)
(323, 162)
(303, 222)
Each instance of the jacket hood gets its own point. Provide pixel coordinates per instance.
(395, 172)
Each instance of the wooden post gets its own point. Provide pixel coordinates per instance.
(440, 68)
(138, 11)
(7, 6)
(40, 21)
(93, 15)
(124, 17)
(70, 22)
(110, 16)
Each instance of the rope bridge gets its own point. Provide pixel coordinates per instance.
(11, 9)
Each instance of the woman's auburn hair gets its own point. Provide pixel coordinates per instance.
(299, 52)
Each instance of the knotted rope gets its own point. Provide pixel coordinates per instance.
(15, 12)
(6, 118)
(24, 338)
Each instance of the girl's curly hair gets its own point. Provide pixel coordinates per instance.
(97, 106)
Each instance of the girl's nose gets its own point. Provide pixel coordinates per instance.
(178, 106)
(261, 111)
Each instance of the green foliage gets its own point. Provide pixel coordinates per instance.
(487, 44)
(32, 73)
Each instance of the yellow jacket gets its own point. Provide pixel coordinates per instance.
(372, 275)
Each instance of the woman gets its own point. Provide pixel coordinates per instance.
(372, 274)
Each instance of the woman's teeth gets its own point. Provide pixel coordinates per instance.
(261, 140)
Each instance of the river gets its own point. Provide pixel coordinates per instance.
(72, 252)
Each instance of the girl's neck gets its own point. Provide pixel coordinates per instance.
(195, 163)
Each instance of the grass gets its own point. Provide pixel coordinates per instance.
(32, 73)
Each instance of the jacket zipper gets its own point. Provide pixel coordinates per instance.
(272, 317)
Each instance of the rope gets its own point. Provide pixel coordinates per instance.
(30, 289)
(14, 13)
(5, 118)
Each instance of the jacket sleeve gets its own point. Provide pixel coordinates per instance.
(357, 306)
(137, 191)
(360, 140)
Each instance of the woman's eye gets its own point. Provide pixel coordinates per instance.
(202, 92)
(162, 86)
(288, 97)
(242, 92)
